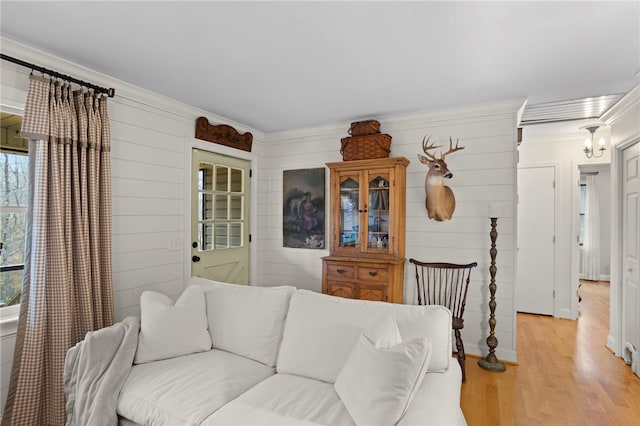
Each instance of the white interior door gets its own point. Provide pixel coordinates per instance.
(220, 217)
(535, 287)
(631, 247)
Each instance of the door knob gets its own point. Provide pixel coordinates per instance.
(195, 258)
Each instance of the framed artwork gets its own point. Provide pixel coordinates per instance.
(303, 209)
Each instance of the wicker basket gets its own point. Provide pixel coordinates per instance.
(361, 128)
(365, 147)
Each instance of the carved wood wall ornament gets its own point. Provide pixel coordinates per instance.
(223, 134)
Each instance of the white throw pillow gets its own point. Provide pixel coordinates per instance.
(168, 330)
(377, 384)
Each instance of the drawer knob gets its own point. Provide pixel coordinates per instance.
(373, 273)
(340, 271)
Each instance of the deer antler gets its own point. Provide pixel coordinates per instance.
(426, 147)
(451, 148)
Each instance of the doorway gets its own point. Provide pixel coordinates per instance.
(631, 256)
(594, 222)
(220, 200)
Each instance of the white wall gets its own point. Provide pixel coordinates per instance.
(484, 174)
(561, 145)
(7, 344)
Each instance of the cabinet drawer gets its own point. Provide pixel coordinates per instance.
(339, 270)
(372, 274)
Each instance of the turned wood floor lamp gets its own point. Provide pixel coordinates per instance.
(491, 362)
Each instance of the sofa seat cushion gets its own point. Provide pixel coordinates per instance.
(284, 400)
(187, 389)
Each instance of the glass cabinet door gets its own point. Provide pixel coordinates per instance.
(378, 212)
(349, 214)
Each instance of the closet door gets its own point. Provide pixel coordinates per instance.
(535, 287)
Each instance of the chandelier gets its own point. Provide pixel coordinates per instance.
(588, 143)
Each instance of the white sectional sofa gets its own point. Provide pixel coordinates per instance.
(279, 356)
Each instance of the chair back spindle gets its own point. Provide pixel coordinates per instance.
(445, 284)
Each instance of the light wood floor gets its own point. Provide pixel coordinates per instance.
(565, 374)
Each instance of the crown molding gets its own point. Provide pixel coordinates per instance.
(628, 101)
(416, 120)
(124, 89)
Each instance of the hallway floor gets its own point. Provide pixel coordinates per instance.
(565, 374)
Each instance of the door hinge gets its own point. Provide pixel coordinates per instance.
(249, 237)
(554, 294)
(250, 173)
(554, 184)
(554, 239)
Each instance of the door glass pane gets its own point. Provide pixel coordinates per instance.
(236, 180)
(236, 234)
(378, 213)
(222, 207)
(236, 207)
(205, 177)
(349, 215)
(222, 235)
(222, 178)
(205, 206)
(205, 236)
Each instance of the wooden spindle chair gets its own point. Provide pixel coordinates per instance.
(446, 284)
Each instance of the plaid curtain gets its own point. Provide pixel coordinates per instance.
(67, 288)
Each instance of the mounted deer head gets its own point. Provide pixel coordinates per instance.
(439, 200)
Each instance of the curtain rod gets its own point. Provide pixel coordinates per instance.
(110, 91)
(589, 173)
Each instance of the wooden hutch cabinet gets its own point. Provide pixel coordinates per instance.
(367, 230)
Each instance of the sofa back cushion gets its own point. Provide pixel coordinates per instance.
(246, 320)
(321, 331)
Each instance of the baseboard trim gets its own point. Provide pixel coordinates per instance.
(611, 345)
(565, 313)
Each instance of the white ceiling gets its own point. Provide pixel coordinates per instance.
(290, 65)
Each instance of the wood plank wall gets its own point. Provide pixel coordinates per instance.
(483, 174)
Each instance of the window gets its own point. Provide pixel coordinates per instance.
(14, 188)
